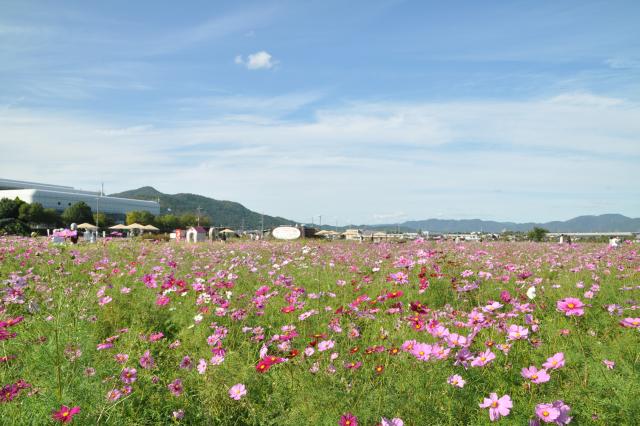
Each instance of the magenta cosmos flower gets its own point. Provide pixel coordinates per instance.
(176, 387)
(146, 360)
(348, 419)
(555, 362)
(237, 391)
(65, 414)
(571, 306)
(497, 406)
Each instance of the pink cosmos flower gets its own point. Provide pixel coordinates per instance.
(497, 406)
(456, 380)
(202, 366)
(483, 358)
(557, 412)
(391, 422)
(186, 363)
(517, 332)
(571, 306)
(348, 419)
(536, 376)
(237, 391)
(128, 375)
(547, 412)
(325, 345)
(555, 362)
(121, 358)
(113, 395)
(630, 322)
(609, 364)
(162, 300)
(146, 360)
(422, 351)
(176, 387)
(65, 414)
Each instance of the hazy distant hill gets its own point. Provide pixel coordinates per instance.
(601, 223)
(233, 215)
(221, 213)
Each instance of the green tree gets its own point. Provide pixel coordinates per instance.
(78, 213)
(10, 208)
(141, 217)
(537, 234)
(13, 226)
(190, 219)
(168, 222)
(51, 217)
(102, 220)
(33, 214)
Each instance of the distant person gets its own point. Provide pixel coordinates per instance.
(223, 237)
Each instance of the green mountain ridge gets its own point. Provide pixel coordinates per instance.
(220, 212)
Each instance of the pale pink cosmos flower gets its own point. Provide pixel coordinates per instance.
(609, 364)
(391, 422)
(483, 358)
(555, 362)
(571, 306)
(497, 406)
(202, 366)
(113, 395)
(326, 345)
(456, 380)
(237, 391)
(547, 412)
(517, 332)
(536, 376)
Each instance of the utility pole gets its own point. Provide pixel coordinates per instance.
(198, 209)
(320, 222)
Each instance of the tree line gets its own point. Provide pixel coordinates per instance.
(19, 217)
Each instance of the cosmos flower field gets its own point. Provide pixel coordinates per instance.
(319, 333)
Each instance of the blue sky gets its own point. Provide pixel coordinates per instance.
(367, 112)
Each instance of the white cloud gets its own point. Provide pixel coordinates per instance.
(525, 160)
(257, 61)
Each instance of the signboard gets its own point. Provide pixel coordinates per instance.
(286, 233)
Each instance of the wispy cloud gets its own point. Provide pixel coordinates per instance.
(234, 23)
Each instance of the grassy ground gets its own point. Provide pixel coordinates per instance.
(66, 317)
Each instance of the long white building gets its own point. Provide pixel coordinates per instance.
(60, 197)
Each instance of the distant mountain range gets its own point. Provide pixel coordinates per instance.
(221, 213)
(236, 216)
(600, 223)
